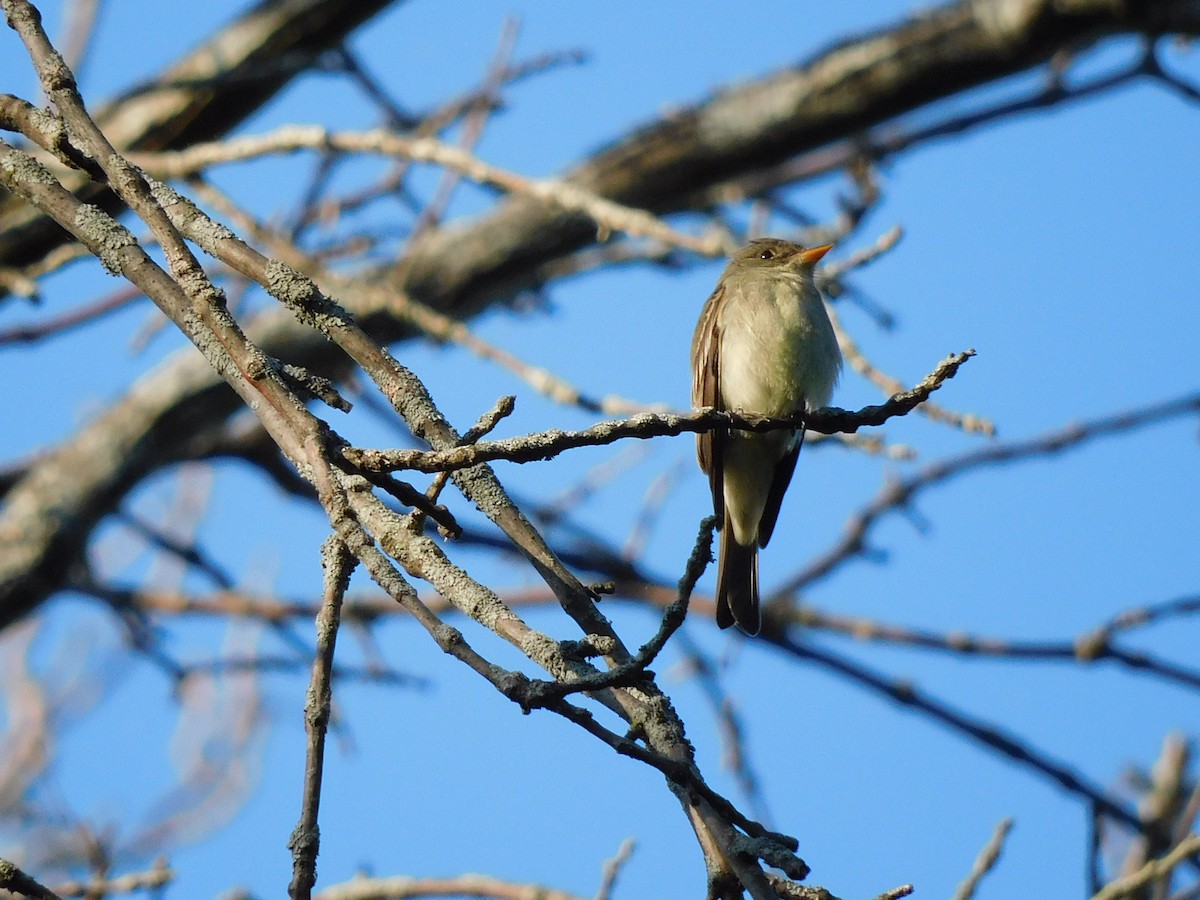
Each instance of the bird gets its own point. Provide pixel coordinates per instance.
(764, 346)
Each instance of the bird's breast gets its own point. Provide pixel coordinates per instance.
(778, 350)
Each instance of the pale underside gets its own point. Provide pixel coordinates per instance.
(770, 351)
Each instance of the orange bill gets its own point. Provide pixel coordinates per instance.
(812, 255)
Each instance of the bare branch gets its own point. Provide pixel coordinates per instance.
(205, 93)
(13, 879)
(659, 167)
(1151, 871)
(608, 216)
(403, 888)
(548, 444)
(985, 862)
(306, 838)
(158, 876)
(1095, 646)
(612, 868)
(859, 362)
(895, 495)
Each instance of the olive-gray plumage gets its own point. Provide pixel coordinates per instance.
(764, 346)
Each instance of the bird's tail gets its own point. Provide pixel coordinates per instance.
(737, 584)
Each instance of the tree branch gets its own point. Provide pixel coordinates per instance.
(548, 444)
(462, 268)
(207, 92)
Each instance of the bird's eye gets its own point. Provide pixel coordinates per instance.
(767, 254)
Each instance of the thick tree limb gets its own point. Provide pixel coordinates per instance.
(204, 95)
(669, 164)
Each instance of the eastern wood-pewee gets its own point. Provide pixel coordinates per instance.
(763, 346)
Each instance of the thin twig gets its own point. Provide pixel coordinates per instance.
(635, 670)
(1151, 871)
(858, 361)
(434, 324)
(608, 215)
(905, 694)
(899, 493)
(154, 878)
(472, 127)
(984, 862)
(402, 887)
(1141, 616)
(306, 838)
(64, 322)
(1092, 647)
(612, 868)
(485, 425)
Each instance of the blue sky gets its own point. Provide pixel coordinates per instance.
(1061, 246)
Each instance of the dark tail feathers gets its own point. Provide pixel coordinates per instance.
(737, 584)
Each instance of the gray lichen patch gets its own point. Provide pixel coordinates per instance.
(296, 291)
(52, 129)
(289, 286)
(546, 652)
(661, 725)
(200, 290)
(56, 74)
(300, 294)
(208, 344)
(123, 175)
(204, 231)
(188, 217)
(20, 168)
(163, 193)
(104, 235)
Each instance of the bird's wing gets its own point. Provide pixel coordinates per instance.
(706, 392)
(779, 485)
